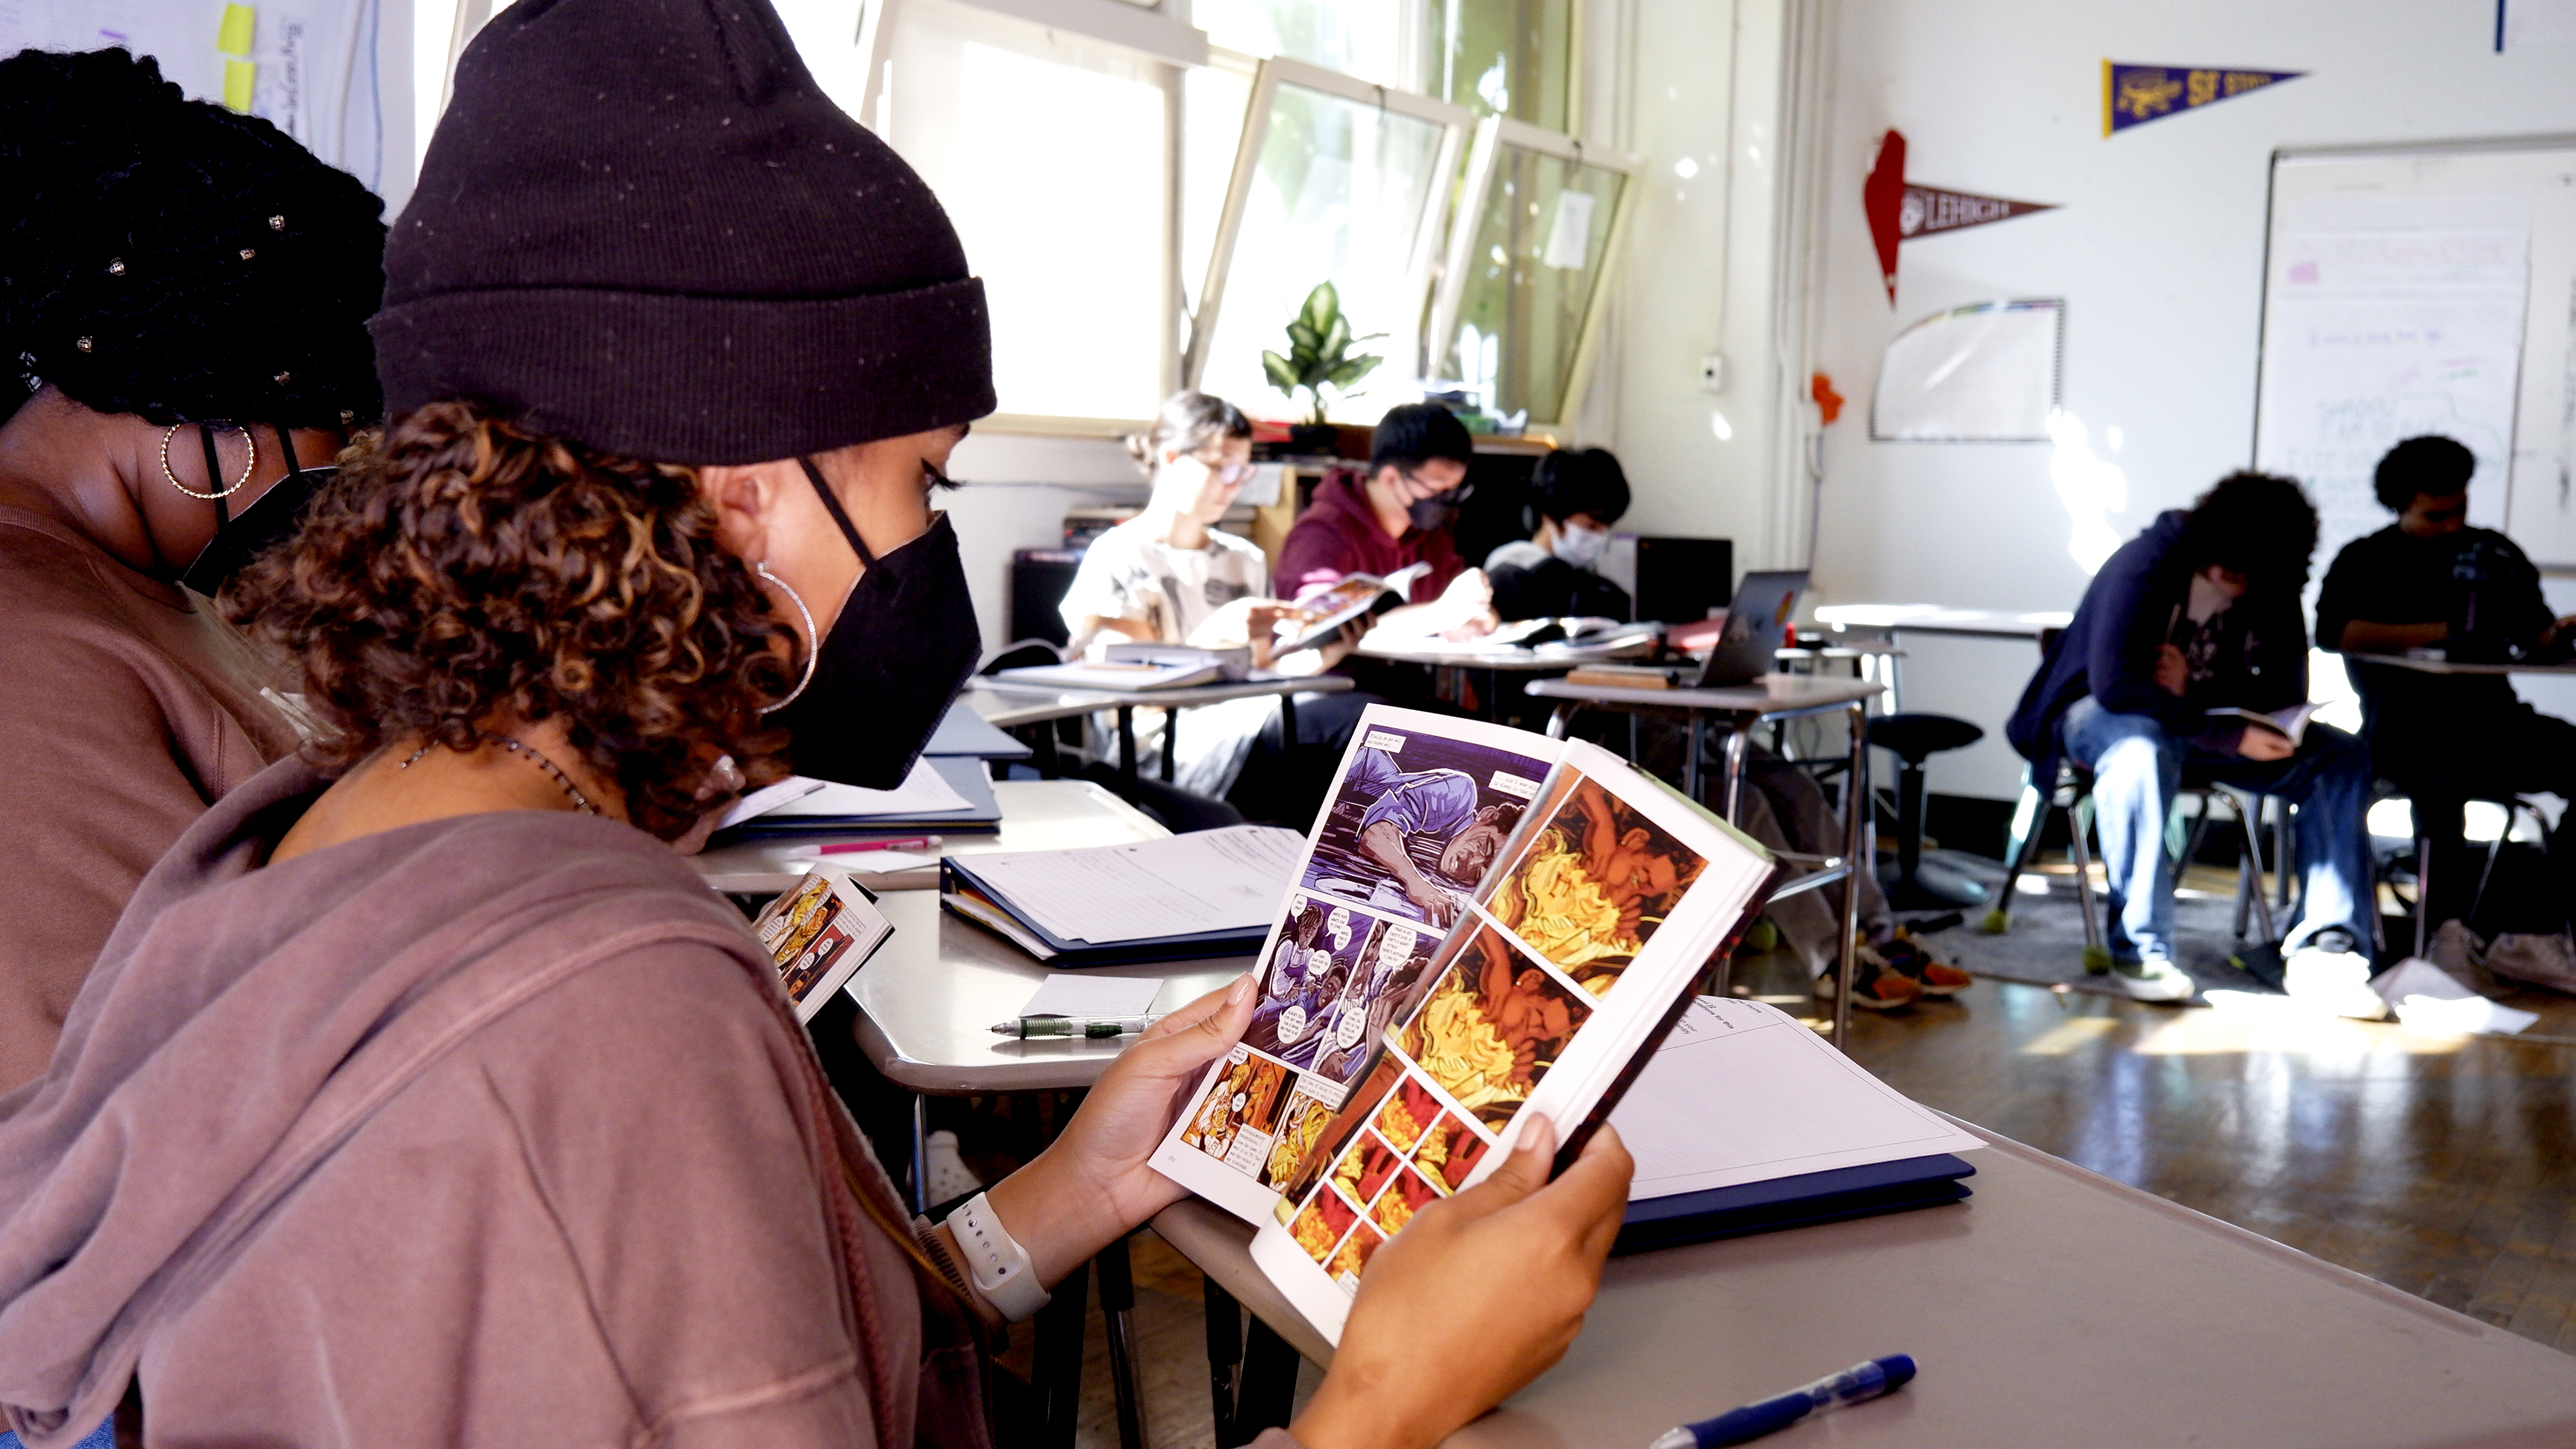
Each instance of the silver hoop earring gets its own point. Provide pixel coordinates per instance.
(812, 650)
(248, 465)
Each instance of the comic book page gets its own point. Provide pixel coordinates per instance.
(1568, 957)
(1423, 810)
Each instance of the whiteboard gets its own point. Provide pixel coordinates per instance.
(2424, 290)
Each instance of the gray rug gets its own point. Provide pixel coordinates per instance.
(2045, 946)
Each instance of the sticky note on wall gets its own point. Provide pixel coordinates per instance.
(238, 77)
(234, 37)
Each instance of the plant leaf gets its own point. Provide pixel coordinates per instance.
(1282, 376)
(1336, 343)
(1353, 370)
(1322, 305)
(1305, 340)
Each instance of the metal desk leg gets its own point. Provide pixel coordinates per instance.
(920, 1153)
(1287, 728)
(1735, 742)
(1697, 723)
(1855, 810)
(1127, 752)
(1269, 1389)
(1050, 765)
(1563, 716)
(1171, 741)
(1225, 1353)
(1117, 1312)
(1058, 1366)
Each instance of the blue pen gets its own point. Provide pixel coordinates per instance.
(1857, 1384)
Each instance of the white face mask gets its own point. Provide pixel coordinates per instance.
(1580, 546)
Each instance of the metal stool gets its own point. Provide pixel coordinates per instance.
(1912, 885)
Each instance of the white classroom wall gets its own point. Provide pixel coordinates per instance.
(2157, 250)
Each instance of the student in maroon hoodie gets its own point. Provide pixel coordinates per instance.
(1397, 516)
(423, 1095)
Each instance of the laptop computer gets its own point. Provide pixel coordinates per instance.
(1756, 625)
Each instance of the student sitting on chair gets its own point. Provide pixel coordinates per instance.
(1171, 576)
(1399, 516)
(2429, 581)
(2200, 612)
(1575, 497)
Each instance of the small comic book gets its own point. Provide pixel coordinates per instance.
(820, 933)
(1527, 914)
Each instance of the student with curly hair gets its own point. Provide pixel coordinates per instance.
(425, 1096)
(183, 314)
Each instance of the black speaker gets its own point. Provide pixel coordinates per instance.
(1681, 579)
(1039, 577)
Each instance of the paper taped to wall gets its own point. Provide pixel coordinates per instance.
(1985, 373)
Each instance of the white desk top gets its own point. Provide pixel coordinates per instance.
(1934, 619)
(1774, 694)
(1036, 815)
(2446, 666)
(1005, 705)
(2053, 1307)
(1443, 654)
(926, 1000)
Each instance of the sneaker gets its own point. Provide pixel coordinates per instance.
(2154, 979)
(1875, 984)
(949, 1177)
(2327, 973)
(1915, 962)
(2463, 957)
(2548, 960)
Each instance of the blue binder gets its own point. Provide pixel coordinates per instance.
(1792, 1202)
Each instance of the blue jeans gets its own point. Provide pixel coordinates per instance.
(2137, 767)
(102, 1437)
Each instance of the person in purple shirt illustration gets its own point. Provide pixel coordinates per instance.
(1440, 804)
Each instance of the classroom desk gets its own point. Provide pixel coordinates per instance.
(1897, 620)
(2053, 1307)
(1744, 707)
(1036, 815)
(2446, 666)
(1005, 706)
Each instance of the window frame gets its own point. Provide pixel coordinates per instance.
(1455, 123)
(1484, 159)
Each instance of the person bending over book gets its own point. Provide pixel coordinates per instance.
(1398, 516)
(1575, 497)
(456, 1108)
(185, 323)
(1171, 576)
(1440, 805)
(2188, 629)
(2430, 581)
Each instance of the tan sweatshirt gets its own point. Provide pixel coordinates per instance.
(126, 708)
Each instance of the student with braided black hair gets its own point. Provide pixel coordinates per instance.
(183, 299)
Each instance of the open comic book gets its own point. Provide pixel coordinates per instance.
(1487, 921)
(1319, 616)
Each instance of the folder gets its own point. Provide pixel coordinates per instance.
(1792, 1202)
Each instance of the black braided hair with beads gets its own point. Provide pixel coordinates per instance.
(170, 258)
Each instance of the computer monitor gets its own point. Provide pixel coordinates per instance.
(1757, 622)
(1681, 580)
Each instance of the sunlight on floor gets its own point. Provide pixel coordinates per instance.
(2247, 1023)
(2069, 1035)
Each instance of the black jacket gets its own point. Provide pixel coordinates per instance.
(2109, 650)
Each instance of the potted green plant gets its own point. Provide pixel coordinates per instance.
(1319, 357)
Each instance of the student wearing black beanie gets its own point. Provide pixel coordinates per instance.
(676, 353)
(183, 293)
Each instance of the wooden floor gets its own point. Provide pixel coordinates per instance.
(2444, 1167)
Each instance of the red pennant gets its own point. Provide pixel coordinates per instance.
(1899, 212)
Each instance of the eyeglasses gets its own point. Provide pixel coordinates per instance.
(1228, 473)
(1451, 498)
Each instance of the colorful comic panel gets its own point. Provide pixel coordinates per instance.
(1406, 1113)
(1301, 1126)
(1416, 822)
(1366, 1167)
(1380, 984)
(1322, 1225)
(1350, 1260)
(1492, 1026)
(1594, 883)
(1406, 1195)
(1245, 1097)
(1449, 1153)
(1355, 1109)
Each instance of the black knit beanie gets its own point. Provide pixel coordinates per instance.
(642, 227)
(170, 259)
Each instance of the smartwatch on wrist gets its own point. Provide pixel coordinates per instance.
(998, 1264)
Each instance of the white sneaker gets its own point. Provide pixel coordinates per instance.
(2337, 981)
(2154, 979)
(949, 1176)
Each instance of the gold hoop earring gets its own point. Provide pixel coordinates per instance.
(812, 649)
(248, 465)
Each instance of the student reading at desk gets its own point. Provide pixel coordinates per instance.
(1398, 516)
(2197, 616)
(1574, 498)
(184, 323)
(1171, 576)
(425, 1096)
(2430, 581)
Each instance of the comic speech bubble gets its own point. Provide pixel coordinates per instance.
(1339, 925)
(1394, 946)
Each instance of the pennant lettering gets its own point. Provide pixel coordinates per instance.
(2133, 95)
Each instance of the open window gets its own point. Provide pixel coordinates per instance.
(1540, 218)
(1334, 180)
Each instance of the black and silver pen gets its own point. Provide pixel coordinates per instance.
(1025, 1027)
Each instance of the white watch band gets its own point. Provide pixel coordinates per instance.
(998, 1264)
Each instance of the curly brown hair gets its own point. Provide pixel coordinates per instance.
(462, 572)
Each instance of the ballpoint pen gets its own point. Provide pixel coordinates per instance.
(1857, 1384)
(1025, 1027)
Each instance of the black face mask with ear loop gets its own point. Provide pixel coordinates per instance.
(269, 520)
(904, 644)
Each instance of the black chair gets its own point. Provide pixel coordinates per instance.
(1911, 883)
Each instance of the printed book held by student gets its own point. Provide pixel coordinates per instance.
(820, 933)
(1321, 615)
(1487, 923)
